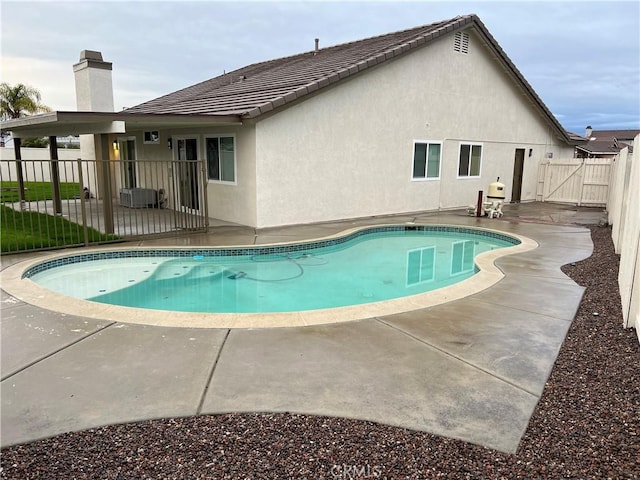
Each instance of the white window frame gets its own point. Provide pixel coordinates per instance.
(426, 166)
(235, 157)
(471, 145)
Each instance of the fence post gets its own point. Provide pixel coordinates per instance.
(55, 175)
(546, 187)
(581, 170)
(205, 196)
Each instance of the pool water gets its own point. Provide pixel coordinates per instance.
(367, 268)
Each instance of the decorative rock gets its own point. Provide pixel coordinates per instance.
(585, 425)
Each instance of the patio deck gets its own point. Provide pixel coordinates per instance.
(472, 369)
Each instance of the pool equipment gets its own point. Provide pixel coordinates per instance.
(492, 205)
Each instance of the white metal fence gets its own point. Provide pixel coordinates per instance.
(53, 204)
(579, 181)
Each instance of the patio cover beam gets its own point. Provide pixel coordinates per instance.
(88, 123)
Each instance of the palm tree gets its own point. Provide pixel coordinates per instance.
(20, 100)
(16, 102)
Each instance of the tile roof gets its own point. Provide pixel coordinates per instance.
(600, 146)
(247, 91)
(608, 141)
(611, 134)
(262, 87)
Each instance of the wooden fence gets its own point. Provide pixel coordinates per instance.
(624, 216)
(577, 181)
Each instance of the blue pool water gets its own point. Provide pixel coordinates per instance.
(372, 265)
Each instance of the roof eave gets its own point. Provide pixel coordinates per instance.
(62, 123)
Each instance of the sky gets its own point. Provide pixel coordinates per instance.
(581, 57)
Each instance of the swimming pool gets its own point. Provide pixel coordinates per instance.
(385, 269)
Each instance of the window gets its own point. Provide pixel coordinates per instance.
(152, 136)
(421, 265)
(221, 158)
(127, 151)
(426, 160)
(470, 160)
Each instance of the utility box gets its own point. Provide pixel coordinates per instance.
(138, 197)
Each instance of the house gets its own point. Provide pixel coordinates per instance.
(605, 143)
(415, 120)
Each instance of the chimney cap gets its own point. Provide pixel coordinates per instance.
(588, 131)
(90, 55)
(91, 59)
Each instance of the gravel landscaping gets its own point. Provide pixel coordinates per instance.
(586, 425)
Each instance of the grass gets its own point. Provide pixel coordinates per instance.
(34, 191)
(22, 231)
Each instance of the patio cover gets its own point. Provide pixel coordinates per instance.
(80, 123)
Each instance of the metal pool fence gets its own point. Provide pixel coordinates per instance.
(59, 203)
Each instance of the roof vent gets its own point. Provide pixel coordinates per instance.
(317, 44)
(461, 42)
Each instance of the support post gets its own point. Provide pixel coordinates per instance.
(479, 210)
(107, 203)
(17, 142)
(55, 175)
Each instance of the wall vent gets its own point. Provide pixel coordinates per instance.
(461, 42)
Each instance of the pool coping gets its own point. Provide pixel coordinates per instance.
(30, 292)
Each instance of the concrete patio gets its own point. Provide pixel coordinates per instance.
(471, 369)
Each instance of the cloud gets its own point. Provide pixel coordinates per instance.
(54, 79)
(580, 57)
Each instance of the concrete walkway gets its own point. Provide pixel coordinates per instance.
(472, 369)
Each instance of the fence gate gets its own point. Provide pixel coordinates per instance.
(579, 181)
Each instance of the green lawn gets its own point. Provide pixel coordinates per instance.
(37, 191)
(21, 231)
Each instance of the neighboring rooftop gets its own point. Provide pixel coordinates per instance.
(611, 134)
(607, 142)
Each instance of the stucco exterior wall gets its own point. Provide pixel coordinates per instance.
(94, 90)
(229, 202)
(348, 151)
